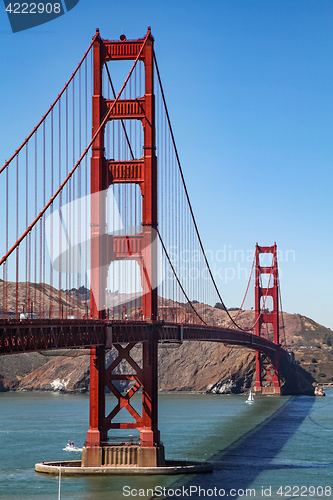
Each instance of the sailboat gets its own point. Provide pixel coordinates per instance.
(250, 399)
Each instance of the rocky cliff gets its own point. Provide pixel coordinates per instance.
(192, 366)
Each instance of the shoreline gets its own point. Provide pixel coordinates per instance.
(175, 392)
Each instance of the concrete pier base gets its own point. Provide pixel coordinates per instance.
(123, 456)
(75, 467)
(268, 390)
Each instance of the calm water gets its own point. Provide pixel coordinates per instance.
(274, 442)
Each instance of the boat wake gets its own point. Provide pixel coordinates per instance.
(72, 447)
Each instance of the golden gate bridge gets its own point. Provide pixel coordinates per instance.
(105, 210)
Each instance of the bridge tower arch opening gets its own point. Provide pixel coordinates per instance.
(267, 321)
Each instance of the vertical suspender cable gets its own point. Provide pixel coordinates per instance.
(5, 277)
(60, 204)
(71, 229)
(51, 107)
(67, 199)
(17, 250)
(27, 263)
(86, 186)
(79, 230)
(51, 209)
(35, 229)
(42, 231)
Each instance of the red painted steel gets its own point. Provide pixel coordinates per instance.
(146, 379)
(43, 335)
(98, 184)
(139, 247)
(122, 50)
(127, 108)
(40, 335)
(96, 432)
(126, 171)
(267, 365)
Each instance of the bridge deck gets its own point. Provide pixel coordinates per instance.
(40, 335)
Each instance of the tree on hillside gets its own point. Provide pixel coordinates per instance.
(218, 305)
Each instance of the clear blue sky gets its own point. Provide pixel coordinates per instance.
(249, 88)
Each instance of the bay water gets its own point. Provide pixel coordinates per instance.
(278, 447)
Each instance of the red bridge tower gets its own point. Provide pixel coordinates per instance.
(98, 450)
(267, 368)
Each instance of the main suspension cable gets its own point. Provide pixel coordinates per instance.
(51, 107)
(178, 281)
(247, 289)
(188, 200)
(59, 190)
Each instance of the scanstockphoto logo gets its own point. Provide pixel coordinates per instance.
(127, 253)
(25, 15)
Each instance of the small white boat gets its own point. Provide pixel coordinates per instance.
(250, 399)
(71, 447)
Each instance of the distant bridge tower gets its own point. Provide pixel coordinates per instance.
(267, 367)
(143, 172)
